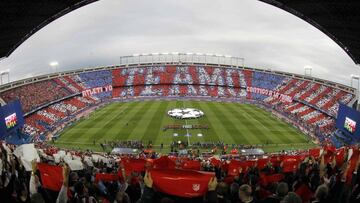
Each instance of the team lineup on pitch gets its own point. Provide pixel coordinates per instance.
(230, 123)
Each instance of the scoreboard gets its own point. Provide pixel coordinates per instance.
(348, 121)
(11, 118)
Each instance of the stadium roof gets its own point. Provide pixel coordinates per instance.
(19, 19)
(338, 19)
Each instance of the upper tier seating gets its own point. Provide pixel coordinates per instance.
(34, 95)
(96, 79)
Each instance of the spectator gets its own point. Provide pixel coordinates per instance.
(281, 191)
(291, 197)
(245, 194)
(321, 194)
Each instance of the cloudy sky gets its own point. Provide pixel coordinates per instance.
(99, 33)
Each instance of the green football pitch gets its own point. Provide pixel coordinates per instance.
(228, 122)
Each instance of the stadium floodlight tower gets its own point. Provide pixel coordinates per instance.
(355, 77)
(53, 65)
(308, 70)
(3, 73)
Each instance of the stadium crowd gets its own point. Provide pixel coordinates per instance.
(314, 105)
(96, 79)
(51, 116)
(315, 175)
(36, 94)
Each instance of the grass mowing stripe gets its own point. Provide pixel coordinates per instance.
(178, 104)
(101, 133)
(256, 132)
(140, 130)
(245, 130)
(215, 121)
(106, 117)
(154, 128)
(236, 134)
(82, 133)
(277, 134)
(164, 136)
(168, 137)
(211, 134)
(124, 131)
(280, 126)
(283, 130)
(197, 121)
(100, 116)
(253, 116)
(75, 131)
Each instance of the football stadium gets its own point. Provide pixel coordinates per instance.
(178, 126)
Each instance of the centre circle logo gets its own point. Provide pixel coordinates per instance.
(185, 113)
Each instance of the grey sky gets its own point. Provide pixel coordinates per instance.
(97, 34)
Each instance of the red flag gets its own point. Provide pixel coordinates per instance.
(290, 164)
(235, 165)
(353, 160)
(265, 180)
(275, 160)
(182, 183)
(328, 158)
(149, 164)
(51, 176)
(225, 166)
(174, 158)
(261, 163)
(314, 152)
(229, 180)
(339, 156)
(133, 165)
(304, 193)
(215, 162)
(106, 177)
(164, 163)
(192, 165)
(330, 149)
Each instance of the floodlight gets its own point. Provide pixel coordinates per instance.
(53, 63)
(354, 76)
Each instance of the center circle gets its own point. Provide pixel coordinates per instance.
(185, 113)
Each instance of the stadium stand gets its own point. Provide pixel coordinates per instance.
(48, 118)
(36, 94)
(321, 174)
(51, 101)
(309, 97)
(95, 79)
